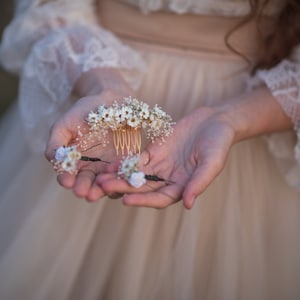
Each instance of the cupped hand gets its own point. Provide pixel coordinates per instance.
(189, 160)
(66, 132)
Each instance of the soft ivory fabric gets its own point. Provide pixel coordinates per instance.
(50, 44)
(241, 240)
(209, 7)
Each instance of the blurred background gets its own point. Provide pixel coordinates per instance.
(8, 82)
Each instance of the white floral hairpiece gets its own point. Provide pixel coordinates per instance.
(66, 159)
(126, 120)
(129, 170)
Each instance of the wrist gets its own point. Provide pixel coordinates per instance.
(254, 113)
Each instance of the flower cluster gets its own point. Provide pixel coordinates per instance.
(129, 171)
(66, 159)
(132, 114)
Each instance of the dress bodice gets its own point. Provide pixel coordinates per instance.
(210, 7)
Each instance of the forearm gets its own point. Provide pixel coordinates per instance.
(254, 113)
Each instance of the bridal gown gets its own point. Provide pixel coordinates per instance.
(242, 238)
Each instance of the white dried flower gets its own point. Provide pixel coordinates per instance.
(66, 159)
(120, 116)
(101, 109)
(144, 113)
(93, 118)
(126, 112)
(108, 114)
(133, 122)
(61, 153)
(69, 166)
(129, 165)
(158, 111)
(137, 179)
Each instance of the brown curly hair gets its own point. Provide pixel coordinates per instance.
(277, 43)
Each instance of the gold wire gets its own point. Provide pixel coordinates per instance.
(122, 139)
(116, 141)
(127, 139)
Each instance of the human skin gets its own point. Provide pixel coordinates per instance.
(190, 161)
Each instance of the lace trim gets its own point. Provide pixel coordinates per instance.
(284, 83)
(209, 7)
(55, 64)
(50, 44)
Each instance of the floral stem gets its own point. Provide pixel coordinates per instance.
(86, 158)
(156, 178)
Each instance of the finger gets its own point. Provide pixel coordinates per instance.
(199, 181)
(159, 199)
(145, 158)
(105, 177)
(84, 182)
(59, 136)
(115, 195)
(95, 193)
(66, 180)
(116, 185)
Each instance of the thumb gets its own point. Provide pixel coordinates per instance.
(198, 182)
(59, 136)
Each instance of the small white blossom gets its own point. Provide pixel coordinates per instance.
(120, 116)
(93, 117)
(144, 113)
(60, 153)
(101, 109)
(137, 179)
(156, 125)
(128, 166)
(66, 159)
(126, 112)
(133, 122)
(69, 166)
(108, 114)
(159, 112)
(74, 155)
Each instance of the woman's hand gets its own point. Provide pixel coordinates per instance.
(196, 152)
(100, 86)
(189, 160)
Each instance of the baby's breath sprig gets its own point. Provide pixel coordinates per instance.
(129, 170)
(127, 120)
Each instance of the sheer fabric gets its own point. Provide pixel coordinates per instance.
(240, 241)
(284, 82)
(50, 44)
(215, 7)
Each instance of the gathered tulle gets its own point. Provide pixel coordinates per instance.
(50, 47)
(204, 7)
(240, 241)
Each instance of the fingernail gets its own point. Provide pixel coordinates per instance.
(190, 203)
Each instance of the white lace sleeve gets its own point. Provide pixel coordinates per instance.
(284, 82)
(50, 43)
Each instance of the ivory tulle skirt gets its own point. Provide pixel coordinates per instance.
(240, 241)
